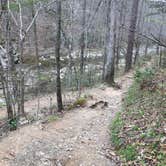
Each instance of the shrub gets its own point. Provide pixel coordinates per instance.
(129, 153)
(132, 94)
(80, 102)
(13, 124)
(142, 136)
(142, 75)
(145, 79)
(116, 126)
(52, 118)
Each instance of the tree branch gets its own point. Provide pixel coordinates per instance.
(153, 39)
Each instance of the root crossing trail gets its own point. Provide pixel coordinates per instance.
(80, 138)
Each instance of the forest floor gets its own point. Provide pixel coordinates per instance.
(138, 133)
(80, 138)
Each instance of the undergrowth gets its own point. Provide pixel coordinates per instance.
(138, 133)
(80, 102)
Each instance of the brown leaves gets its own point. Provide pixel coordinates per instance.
(144, 122)
(163, 148)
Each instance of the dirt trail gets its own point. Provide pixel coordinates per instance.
(80, 138)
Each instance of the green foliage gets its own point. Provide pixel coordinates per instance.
(151, 133)
(80, 102)
(116, 126)
(129, 153)
(136, 128)
(155, 145)
(70, 107)
(143, 135)
(161, 157)
(14, 6)
(53, 118)
(132, 94)
(146, 74)
(139, 137)
(141, 112)
(142, 61)
(24, 3)
(13, 124)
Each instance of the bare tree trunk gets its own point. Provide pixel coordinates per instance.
(159, 47)
(57, 51)
(82, 46)
(160, 58)
(120, 33)
(110, 44)
(140, 24)
(104, 64)
(37, 55)
(146, 47)
(137, 52)
(6, 74)
(105, 41)
(21, 80)
(131, 36)
(82, 40)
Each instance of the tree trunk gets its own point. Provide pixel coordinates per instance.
(137, 52)
(131, 35)
(21, 85)
(82, 40)
(159, 49)
(160, 57)
(37, 56)
(140, 24)
(120, 33)
(6, 74)
(110, 44)
(146, 47)
(57, 51)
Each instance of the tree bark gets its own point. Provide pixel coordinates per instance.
(6, 74)
(138, 45)
(110, 44)
(131, 36)
(146, 47)
(82, 40)
(57, 52)
(120, 33)
(37, 55)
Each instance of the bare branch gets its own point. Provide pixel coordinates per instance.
(14, 19)
(153, 39)
(33, 20)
